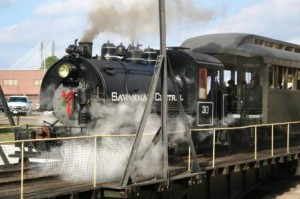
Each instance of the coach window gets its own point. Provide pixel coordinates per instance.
(202, 83)
(286, 77)
(281, 77)
(248, 77)
(277, 77)
(271, 77)
(290, 78)
(298, 79)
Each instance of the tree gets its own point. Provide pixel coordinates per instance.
(49, 62)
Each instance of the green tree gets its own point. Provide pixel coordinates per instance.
(49, 62)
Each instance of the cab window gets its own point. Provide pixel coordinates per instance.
(202, 83)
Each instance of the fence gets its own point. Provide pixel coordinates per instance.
(263, 140)
(84, 162)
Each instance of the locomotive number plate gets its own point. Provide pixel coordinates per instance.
(205, 113)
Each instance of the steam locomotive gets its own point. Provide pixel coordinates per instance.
(77, 82)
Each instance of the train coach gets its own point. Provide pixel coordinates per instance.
(265, 74)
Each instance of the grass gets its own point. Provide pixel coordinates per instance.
(7, 137)
(6, 134)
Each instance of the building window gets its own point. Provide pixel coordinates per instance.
(37, 82)
(10, 82)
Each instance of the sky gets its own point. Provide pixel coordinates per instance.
(24, 24)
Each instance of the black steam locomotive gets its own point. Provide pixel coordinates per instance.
(78, 81)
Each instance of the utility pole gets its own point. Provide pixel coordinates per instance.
(164, 105)
(160, 70)
(52, 48)
(42, 55)
(160, 66)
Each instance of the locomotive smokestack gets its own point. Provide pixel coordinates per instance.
(86, 49)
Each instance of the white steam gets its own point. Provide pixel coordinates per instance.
(76, 157)
(120, 118)
(47, 97)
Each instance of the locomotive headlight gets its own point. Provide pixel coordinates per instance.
(67, 71)
(64, 71)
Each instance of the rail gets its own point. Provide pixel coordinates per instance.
(95, 154)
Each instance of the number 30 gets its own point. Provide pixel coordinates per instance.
(205, 109)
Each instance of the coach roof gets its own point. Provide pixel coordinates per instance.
(246, 45)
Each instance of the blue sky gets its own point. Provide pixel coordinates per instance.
(24, 24)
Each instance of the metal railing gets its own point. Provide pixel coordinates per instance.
(108, 143)
(255, 137)
(94, 145)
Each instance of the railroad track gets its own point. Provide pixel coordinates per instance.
(10, 179)
(37, 183)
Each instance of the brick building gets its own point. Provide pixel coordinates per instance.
(22, 82)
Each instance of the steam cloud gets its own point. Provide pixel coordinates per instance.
(141, 18)
(76, 157)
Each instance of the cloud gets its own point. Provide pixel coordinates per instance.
(12, 34)
(5, 3)
(277, 19)
(54, 8)
(66, 20)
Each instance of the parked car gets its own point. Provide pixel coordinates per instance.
(20, 105)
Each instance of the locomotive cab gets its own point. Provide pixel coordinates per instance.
(202, 76)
